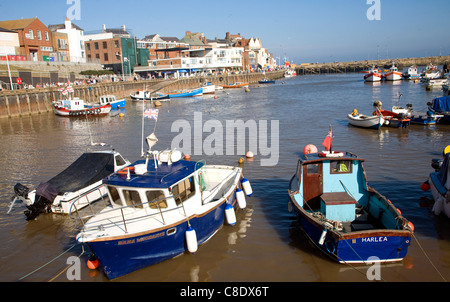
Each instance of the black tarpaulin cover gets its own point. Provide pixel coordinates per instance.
(86, 170)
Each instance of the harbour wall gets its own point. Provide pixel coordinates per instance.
(25, 102)
(358, 66)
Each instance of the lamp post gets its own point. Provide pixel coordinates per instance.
(9, 70)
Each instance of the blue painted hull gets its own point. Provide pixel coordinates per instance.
(119, 104)
(186, 94)
(386, 245)
(122, 256)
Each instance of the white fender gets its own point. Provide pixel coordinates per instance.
(240, 196)
(322, 237)
(230, 215)
(191, 240)
(247, 187)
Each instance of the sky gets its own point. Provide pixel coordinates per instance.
(300, 31)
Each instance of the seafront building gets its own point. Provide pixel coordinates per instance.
(116, 49)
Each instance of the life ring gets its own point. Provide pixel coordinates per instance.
(221, 79)
(126, 170)
(332, 154)
(98, 111)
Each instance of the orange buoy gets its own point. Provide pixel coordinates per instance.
(425, 186)
(126, 170)
(310, 148)
(187, 157)
(249, 154)
(411, 225)
(93, 263)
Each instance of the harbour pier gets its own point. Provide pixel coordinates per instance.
(25, 102)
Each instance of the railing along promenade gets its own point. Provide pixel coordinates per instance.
(25, 102)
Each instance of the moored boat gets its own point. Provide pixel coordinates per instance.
(394, 119)
(73, 107)
(236, 85)
(365, 121)
(412, 73)
(161, 207)
(441, 106)
(266, 81)
(439, 184)
(190, 93)
(140, 95)
(79, 183)
(209, 88)
(109, 99)
(373, 75)
(341, 215)
(393, 74)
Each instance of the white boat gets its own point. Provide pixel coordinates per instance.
(373, 75)
(393, 74)
(411, 73)
(290, 73)
(364, 121)
(73, 107)
(80, 183)
(435, 83)
(161, 207)
(110, 99)
(209, 88)
(140, 95)
(431, 72)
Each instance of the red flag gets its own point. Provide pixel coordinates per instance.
(327, 141)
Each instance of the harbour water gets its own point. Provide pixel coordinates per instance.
(264, 245)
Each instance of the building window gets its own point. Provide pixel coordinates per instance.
(116, 43)
(105, 57)
(62, 44)
(88, 46)
(39, 35)
(117, 56)
(47, 37)
(30, 34)
(105, 45)
(97, 56)
(96, 45)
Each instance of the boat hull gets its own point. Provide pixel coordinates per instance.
(372, 77)
(393, 76)
(195, 92)
(124, 255)
(363, 121)
(361, 247)
(95, 111)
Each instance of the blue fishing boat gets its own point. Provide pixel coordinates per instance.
(160, 207)
(340, 214)
(266, 81)
(194, 92)
(109, 100)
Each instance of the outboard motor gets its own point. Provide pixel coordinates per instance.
(45, 194)
(21, 191)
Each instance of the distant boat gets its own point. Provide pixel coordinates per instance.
(110, 99)
(431, 72)
(394, 119)
(140, 95)
(373, 75)
(236, 85)
(411, 73)
(209, 88)
(420, 118)
(190, 93)
(393, 74)
(441, 105)
(290, 73)
(76, 107)
(266, 81)
(364, 121)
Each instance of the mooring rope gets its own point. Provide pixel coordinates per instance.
(431, 262)
(42, 266)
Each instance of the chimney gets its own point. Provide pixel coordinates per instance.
(227, 36)
(104, 27)
(124, 28)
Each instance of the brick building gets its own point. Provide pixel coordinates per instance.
(35, 38)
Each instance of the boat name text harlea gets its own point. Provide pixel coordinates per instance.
(149, 237)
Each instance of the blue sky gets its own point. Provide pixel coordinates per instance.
(302, 31)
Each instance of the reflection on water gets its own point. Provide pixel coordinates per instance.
(264, 245)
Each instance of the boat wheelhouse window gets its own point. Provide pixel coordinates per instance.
(120, 161)
(341, 166)
(115, 197)
(183, 190)
(312, 169)
(156, 199)
(132, 198)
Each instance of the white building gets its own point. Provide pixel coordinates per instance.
(9, 42)
(75, 36)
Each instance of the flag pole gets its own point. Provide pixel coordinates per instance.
(142, 140)
(331, 142)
